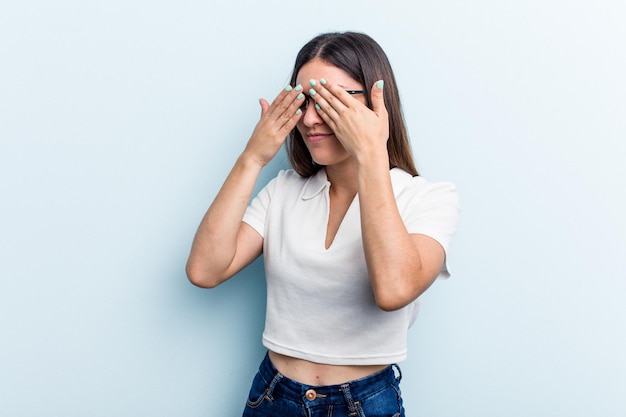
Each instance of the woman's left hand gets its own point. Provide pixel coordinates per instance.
(360, 130)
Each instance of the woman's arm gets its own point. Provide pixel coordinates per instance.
(223, 244)
(401, 266)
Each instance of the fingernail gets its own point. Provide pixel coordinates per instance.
(312, 82)
(288, 88)
(380, 84)
(322, 81)
(300, 96)
(312, 92)
(298, 87)
(317, 106)
(298, 112)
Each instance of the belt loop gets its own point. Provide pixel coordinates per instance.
(352, 409)
(270, 389)
(399, 376)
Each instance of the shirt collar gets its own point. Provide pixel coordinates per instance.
(315, 184)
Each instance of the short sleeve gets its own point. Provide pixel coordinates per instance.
(256, 212)
(431, 209)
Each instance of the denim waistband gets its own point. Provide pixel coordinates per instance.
(284, 387)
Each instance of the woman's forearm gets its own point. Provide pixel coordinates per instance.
(395, 263)
(223, 244)
(214, 248)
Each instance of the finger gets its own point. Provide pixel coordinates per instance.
(293, 113)
(284, 106)
(264, 105)
(289, 121)
(325, 100)
(336, 95)
(278, 101)
(330, 96)
(324, 109)
(287, 113)
(378, 98)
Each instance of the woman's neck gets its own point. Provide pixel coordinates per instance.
(343, 177)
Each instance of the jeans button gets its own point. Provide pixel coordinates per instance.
(310, 395)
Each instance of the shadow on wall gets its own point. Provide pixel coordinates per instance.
(235, 309)
(213, 337)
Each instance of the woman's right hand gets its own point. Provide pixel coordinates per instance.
(223, 244)
(277, 120)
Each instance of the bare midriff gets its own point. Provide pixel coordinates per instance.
(311, 373)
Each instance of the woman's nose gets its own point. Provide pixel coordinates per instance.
(311, 117)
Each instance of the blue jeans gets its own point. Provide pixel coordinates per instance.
(274, 395)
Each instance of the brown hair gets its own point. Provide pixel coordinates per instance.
(365, 61)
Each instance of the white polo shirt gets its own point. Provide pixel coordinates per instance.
(320, 304)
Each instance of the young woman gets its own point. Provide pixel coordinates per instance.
(351, 236)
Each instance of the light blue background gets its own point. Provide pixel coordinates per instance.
(120, 119)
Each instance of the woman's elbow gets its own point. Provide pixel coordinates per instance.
(393, 302)
(394, 298)
(200, 278)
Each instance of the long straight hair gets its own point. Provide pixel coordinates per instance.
(366, 62)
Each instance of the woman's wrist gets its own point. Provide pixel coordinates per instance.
(247, 160)
(373, 161)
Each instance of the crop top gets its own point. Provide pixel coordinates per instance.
(320, 304)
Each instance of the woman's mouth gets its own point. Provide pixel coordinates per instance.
(317, 137)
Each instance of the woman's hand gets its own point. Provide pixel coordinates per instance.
(360, 130)
(223, 244)
(277, 120)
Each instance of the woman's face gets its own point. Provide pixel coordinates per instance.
(318, 137)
